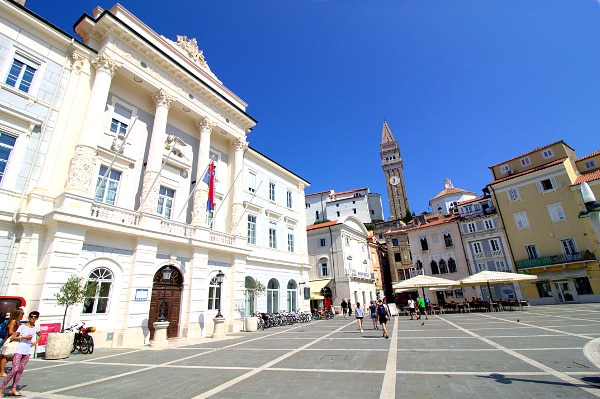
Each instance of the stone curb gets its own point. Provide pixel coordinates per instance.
(591, 350)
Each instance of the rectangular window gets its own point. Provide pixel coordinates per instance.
(338, 213)
(556, 212)
(324, 269)
(290, 238)
(521, 220)
(347, 240)
(548, 153)
(322, 242)
(531, 251)
(289, 199)
(272, 191)
(525, 161)
(482, 266)
(591, 164)
(251, 229)
(165, 201)
(424, 244)
(120, 121)
(397, 257)
(569, 248)
(477, 249)
(495, 245)
(513, 194)
(7, 144)
(471, 227)
(504, 168)
(272, 236)
(582, 286)
(448, 240)
(544, 290)
(251, 182)
(21, 73)
(106, 187)
(546, 185)
(488, 224)
(500, 266)
(394, 242)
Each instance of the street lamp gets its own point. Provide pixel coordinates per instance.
(592, 208)
(219, 277)
(166, 277)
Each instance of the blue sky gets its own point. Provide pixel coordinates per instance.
(463, 84)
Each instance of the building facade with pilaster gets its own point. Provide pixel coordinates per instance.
(122, 191)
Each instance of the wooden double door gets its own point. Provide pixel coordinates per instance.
(172, 297)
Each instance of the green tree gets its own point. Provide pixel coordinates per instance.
(407, 216)
(73, 292)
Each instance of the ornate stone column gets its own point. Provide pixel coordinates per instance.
(150, 187)
(81, 170)
(237, 207)
(201, 193)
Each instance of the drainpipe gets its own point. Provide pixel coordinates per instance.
(43, 130)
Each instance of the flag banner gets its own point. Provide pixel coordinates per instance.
(209, 178)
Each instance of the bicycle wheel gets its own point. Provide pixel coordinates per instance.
(90, 344)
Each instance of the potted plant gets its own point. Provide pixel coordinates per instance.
(254, 289)
(72, 292)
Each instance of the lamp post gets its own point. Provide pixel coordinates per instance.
(166, 277)
(592, 208)
(219, 277)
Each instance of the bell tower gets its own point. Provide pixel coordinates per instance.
(391, 163)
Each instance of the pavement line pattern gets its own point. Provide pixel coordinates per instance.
(388, 388)
(264, 367)
(562, 376)
(541, 328)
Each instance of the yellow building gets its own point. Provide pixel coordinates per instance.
(538, 200)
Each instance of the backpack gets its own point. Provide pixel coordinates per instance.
(381, 310)
(3, 328)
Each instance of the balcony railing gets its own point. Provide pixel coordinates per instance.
(555, 260)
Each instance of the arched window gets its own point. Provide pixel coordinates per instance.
(419, 265)
(434, 268)
(98, 304)
(214, 294)
(452, 266)
(443, 267)
(273, 296)
(292, 296)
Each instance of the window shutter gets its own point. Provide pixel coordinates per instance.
(539, 187)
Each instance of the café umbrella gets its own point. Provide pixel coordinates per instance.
(422, 281)
(491, 277)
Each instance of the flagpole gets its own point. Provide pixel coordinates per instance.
(192, 193)
(157, 175)
(226, 194)
(246, 207)
(114, 157)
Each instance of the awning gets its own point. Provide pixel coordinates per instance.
(314, 296)
(316, 286)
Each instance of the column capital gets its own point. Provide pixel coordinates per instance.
(205, 123)
(77, 61)
(161, 98)
(104, 63)
(239, 145)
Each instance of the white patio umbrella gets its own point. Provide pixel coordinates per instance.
(422, 281)
(490, 277)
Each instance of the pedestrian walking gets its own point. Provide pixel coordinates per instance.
(349, 308)
(359, 315)
(13, 323)
(373, 310)
(411, 308)
(383, 312)
(422, 309)
(27, 335)
(344, 305)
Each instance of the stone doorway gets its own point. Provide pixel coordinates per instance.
(172, 300)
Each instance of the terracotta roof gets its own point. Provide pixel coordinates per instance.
(472, 200)
(553, 163)
(319, 225)
(587, 177)
(531, 152)
(593, 154)
(351, 191)
(318, 193)
(448, 191)
(436, 222)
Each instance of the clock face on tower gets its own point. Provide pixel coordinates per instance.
(394, 180)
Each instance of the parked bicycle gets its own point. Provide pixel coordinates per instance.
(319, 314)
(83, 341)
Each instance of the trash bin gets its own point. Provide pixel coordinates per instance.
(250, 323)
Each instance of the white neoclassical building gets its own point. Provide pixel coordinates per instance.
(106, 173)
